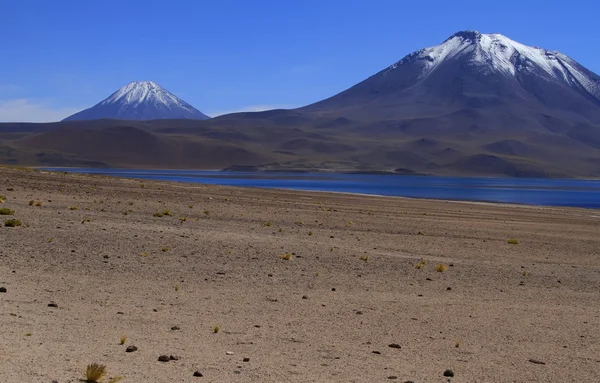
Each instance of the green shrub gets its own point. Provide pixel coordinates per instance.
(12, 223)
(6, 211)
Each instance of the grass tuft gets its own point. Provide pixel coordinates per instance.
(286, 256)
(123, 339)
(12, 223)
(512, 241)
(364, 258)
(95, 372)
(421, 264)
(73, 207)
(216, 329)
(6, 211)
(441, 268)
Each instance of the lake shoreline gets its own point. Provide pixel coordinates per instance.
(534, 192)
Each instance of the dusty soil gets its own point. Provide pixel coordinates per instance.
(113, 269)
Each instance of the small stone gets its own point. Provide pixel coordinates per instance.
(448, 288)
(536, 361)
(2, 289)
(120, 313)
(164, 358)
(333, 289)
(198, 374)
(394, 345)
(376, 352)
(173, 357)
(246, 360)
(52, 304)
(131, 349)
(175, 328)
(392, 377)
(237, 372)
(359, 313)
(449, 373)
(228, 353)
(304, 297)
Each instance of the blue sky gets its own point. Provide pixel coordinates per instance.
(61, 56)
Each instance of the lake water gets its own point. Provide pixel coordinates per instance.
(549, 192)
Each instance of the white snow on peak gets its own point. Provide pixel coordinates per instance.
(138, 92)
(498, 52)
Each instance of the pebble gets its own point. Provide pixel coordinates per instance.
(164, 358)
(449, 373)
(2, 289)
(175, 328)
(131, 349)
(246, 360)
(394, 345)
(174, 357)
(52, 305)
(228, 353)
(304, 297)
(448, 288)
(376, 352)
(392, 377)
(333, 289)
(536, 361)
(198, 374)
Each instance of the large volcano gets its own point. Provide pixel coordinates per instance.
(470, 70)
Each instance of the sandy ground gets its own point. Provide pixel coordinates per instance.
(95, 249)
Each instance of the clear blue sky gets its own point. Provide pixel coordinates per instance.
(60, 56)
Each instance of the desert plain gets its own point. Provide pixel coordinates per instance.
(252, 285)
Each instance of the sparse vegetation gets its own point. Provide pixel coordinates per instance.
(441, 268)
(513, 241)
(31, 202)
(73, 207)
(421, 264)
(206, 212)
(39, 204)
(2, 198)
(6, 211)
(286, 256)
(123, 340)
(177, 288)
(267, 224)
(183, 219)
(364, 258)
(12, 223)
(164, 249)
(95, 372)
(162, 213)
(310, 233)
(216, 329)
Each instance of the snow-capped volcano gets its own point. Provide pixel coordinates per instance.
(495, 52)
(140, 100)
(474, 71)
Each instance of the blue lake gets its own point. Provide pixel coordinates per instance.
(549, 192)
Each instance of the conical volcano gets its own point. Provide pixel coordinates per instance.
(140, 100)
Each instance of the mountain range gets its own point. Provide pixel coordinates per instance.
(476, 104)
